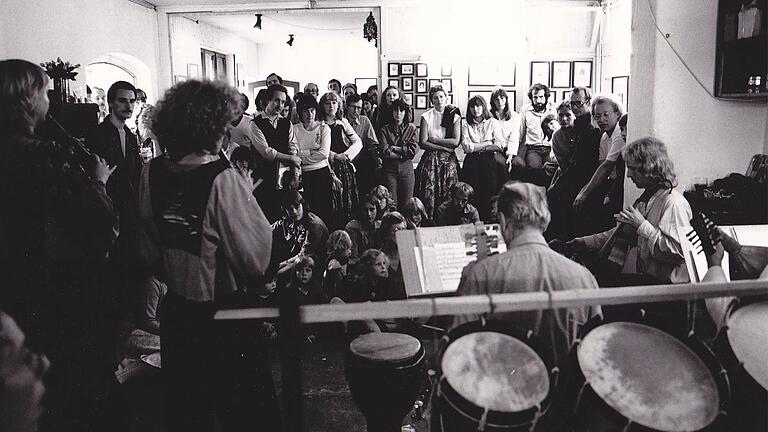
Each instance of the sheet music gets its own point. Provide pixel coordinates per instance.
(443, 252)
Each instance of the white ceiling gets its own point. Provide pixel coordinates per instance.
(277, 25)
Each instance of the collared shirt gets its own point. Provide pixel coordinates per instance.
(529, 265)
(364, 129)
(530, 125)
(260, 143)
(611, 146)
(403, 136)
(510, 132)
(487, 132)
(660, 253)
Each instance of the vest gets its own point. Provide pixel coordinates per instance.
(179, 201)
(276, 138)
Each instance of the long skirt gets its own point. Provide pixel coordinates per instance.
(437, 172)
(345, 209)
(486, 172)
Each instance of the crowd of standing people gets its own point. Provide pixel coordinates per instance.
(298, 203)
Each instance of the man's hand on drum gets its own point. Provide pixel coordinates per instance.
(630, 216)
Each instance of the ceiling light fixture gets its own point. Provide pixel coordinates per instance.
(370, 29)
(258, 22)
(290, 40)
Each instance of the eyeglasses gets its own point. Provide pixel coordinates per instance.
(579, 103)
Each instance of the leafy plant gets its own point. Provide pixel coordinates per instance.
(60, 69)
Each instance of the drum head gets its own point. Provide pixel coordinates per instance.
(495, 371)
(152, 359)
(748, 336)
(385, 347)
(649, 377)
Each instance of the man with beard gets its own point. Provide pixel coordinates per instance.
(533, 148)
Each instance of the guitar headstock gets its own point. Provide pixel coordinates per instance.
(705, 235)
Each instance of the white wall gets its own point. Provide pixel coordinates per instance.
(187, 37)
(706, 137)
(80, 31)
(616, 43)
(332, 54)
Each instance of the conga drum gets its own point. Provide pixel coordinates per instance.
(743, 348)
(492, 377)
(384, 372)
(634, 377)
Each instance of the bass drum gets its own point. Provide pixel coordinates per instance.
(743, 348)
(631, 377)
(492, 377)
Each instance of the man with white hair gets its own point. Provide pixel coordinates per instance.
(529, 265)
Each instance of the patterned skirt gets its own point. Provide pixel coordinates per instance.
(346, 204)
(437, 172)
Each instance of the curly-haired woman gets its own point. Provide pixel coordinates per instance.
(210, 235)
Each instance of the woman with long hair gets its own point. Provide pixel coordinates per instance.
(57, 225)
(485, 166)
(439, 135)
(345, 146)
(397, 147)
(313, 139)
(510, 125)
(389, 95)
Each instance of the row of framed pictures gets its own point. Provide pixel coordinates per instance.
(421, 101)
(420, 85)
(419, 69)
(559, 74)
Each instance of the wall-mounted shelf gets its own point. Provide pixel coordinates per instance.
(740, 59)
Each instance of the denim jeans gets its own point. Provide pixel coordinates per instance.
(399, 179)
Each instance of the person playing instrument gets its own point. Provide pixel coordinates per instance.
(211, 238)
(57, 225)
(651, 223)
(529, 265)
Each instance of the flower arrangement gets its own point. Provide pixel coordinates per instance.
(60, 69)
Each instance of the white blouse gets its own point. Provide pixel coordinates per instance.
(314, 145)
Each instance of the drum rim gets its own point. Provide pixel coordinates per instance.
(733, 357)
(691, 341)
(471, 410)
(386, 364)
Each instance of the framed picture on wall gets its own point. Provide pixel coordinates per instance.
(565, 95)
(553, 97)
(363, 84)
(582, 74)
(407, 84)
(512, 99)
(408, 98)
(447, 84)
(406, 69)
(421, 69)
(620, 87)
(394, 69)
(486, 94)
(540, 72)
(561, 74)
(421, 86)
(421, 102)
(491, 74)
(393, 83)
(433, 82)
(446, 70)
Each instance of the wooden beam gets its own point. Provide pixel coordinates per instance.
(508, 302)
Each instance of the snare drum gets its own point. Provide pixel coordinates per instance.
(492, 378)
(633, 377)
(744, 350)
(384, 372)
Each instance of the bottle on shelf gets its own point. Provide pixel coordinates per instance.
(758, 84)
